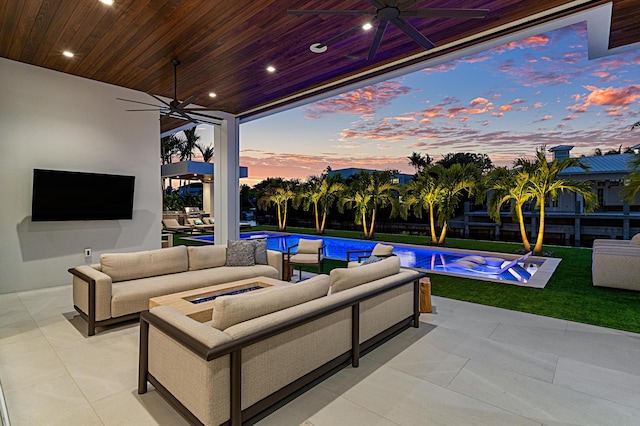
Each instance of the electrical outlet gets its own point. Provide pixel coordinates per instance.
(87, 252)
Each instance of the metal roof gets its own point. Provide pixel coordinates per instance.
(620, 163)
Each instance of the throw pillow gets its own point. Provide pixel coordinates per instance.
(371, 259)
(198, 222)
(211, 222)
(635, 239)
(240, 253)
(260, 251)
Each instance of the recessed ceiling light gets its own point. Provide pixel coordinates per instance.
(318, 48)
(271, 68)
(367, 26)
(67, 54)
(212, 95)
(107, 2)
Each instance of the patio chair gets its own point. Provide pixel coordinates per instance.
(200, 224)
(308, 253)
(172, 225)
(378, 251)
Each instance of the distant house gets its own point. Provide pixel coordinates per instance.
(400, 178)
(606, 174)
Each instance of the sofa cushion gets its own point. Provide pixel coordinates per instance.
(635, 239)
(240, 253)
(203, 257)
(345, 278)
(260, 251)
(142, 264)
(129, 297)
(382, 250)
(231, 310)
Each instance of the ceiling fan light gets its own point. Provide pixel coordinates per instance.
(271, 68)
(68, 54)
(212, 95)
(367, 26)
(318, 48)
(107, 2)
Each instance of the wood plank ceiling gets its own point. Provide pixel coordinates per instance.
(225, 46)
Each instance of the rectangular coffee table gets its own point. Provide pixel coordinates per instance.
(198, 303)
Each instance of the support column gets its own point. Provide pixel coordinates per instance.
(226, 181)
(208, 195)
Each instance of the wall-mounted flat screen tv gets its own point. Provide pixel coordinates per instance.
(63, 195)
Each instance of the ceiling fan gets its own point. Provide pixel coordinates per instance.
(394, 13)
(175, 108)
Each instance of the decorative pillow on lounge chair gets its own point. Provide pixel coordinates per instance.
(211, 222)
(371, 259)
(231, 310)
(198, 222)
(240, 253)
(635, 239)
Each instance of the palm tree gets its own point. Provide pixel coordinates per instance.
(320, 192)
(544, 181)
(369, 192)
(453, 182)
(189, 144)
(422, 194)
(207, 152)
(510, 187)
(419, 162)
(169, 146)
(280, 196)
(632, 183)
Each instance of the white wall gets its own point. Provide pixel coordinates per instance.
(52, 120)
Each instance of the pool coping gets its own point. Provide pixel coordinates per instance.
(537, 280)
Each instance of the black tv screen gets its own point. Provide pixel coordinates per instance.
(62, 195)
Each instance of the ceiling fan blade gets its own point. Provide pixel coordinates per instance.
(376, 4)
(138, 102)
(159, 100)
(186, 102)
(189, 110)
(157, 109)
(411, 31)
(340, 36)
(445, 13)
(331, 12)
(382, 27)
(206, 116)
(407, 4)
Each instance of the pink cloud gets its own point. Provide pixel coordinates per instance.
(509, 106)
(570, 117)
(362, 101)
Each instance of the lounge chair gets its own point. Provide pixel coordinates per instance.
(309, 253)
(200, 224)
(378, 252)
(172, 225)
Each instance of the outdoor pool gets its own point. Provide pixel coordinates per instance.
(525, 270)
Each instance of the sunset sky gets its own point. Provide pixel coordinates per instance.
(504, 102)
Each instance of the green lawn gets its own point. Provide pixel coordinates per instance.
(568, 295)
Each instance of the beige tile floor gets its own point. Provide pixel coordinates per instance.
(467, 364)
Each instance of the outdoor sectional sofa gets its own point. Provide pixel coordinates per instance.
(260, 348)
(616, 263)
(120, 286)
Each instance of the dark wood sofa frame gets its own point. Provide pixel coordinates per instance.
(90, 317)
(234, 349)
